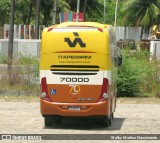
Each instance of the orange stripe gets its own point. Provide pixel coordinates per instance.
(74, 52)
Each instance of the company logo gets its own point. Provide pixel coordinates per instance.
(86, 99)
(6, 137)
(74, 57)
(75, 41)
(74, 89)
(20, 137)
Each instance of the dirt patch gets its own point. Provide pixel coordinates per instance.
(129, 118)
(25, 118)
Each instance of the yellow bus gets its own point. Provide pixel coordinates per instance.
(78, 72)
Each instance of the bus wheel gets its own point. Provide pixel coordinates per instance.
(58, 121)
(110, 119)
(103, 123)
(48, 121)
(112, 115)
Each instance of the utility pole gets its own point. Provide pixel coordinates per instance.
(77, 14)
(38, 3)
(84, 9)
(104, 20)
(10, 45)
(115, 19)
(55, 12)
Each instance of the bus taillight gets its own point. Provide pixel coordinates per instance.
(44, 91)
(104, 92)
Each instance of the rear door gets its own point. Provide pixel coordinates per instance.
(75, 61)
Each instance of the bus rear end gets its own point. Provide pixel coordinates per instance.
(75, 72)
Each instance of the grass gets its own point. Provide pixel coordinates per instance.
(138, 76)
(139, 100)
(17, 98)
(25, 75)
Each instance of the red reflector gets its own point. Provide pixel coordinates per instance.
(50, 29)
(43, 85)
(99, 29)
(104, 89)
(43, 80)
(105, 85)
(44, 89)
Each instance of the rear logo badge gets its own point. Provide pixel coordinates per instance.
(75, 89)
(75, 41)
(86, 99)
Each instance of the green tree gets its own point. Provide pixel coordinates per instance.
(63, 6)
(46, 11)
(4, 11)
(25, 11)
(142, 12)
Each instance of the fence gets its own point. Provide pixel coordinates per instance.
(155, 50)
(133, 33)
(31, 47)
(24, 47)
(24, 79)
(25, 70)
(22, 31)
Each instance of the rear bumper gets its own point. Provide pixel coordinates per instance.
(86, 109)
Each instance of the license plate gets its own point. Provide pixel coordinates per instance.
(75, 108)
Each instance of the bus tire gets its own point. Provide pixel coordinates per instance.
(110, 119)
(112, 115)
(103, 123)
(48, 121)
(58, 121)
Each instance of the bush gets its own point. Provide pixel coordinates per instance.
(138, 76)
(3, 59)
(24, 77)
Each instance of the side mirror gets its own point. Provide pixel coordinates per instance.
(119, 60)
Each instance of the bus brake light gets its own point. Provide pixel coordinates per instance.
(104, 95)
(44, 91)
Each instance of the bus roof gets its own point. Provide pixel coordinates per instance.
(81, 24)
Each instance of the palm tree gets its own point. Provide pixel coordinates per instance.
(95, 10)
(85, 5)
(142, 12)
(10, 45)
